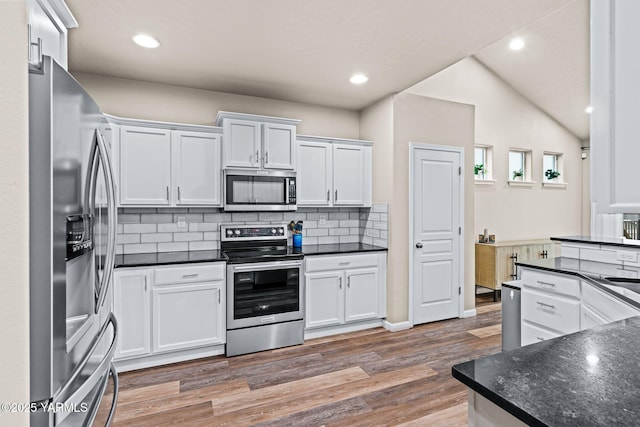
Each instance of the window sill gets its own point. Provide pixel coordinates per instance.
(485, 181)
(521, 183)
(554, 184)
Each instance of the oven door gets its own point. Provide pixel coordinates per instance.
(264, 293)
(253, 190)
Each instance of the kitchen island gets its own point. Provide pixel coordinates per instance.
(589, 378)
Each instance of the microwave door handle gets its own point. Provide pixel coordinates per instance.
(111, 220)
(286, 190)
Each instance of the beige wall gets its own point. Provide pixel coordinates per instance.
(14, 194)
(392, 124)
(505, 119)
(153, 101)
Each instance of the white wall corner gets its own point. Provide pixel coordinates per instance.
(469, 313)
(395, 327)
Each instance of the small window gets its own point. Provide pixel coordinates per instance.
(551, 167)
(482, 162)
(518, 166)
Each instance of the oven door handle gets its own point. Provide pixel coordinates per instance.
(262, 267)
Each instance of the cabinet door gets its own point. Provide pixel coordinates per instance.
(278, 142)
(615, 96)
(241, 143)
(132, 308)
(324, 299)
(348, 175)
(197, 168)
(531, 334)
(186, 316)
(590, 319)
(550, 311)
(145, 166)
(314, 174)
(506, 257)
(363, 294)
(535, 251)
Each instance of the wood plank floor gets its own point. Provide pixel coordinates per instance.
(373, 377)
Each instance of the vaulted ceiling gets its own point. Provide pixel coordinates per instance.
(305, 51)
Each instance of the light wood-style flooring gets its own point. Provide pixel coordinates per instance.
(367, 378)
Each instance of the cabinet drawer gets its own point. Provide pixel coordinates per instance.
(552, 283)
(552, 311)
(324, 263)
(189, 274)
(532, 334)
(606, 306)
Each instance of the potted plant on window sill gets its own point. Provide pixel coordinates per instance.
(479, 171)
(518, 175)
(551, 175)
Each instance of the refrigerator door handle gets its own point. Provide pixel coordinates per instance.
(95, 405)
(66, 394)
(112, 221)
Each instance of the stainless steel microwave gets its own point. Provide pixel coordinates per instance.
(259, 190)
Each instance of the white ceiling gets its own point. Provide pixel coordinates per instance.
(305, 51)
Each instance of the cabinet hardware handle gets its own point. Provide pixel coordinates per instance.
(145, 283)
(349, 282)
(190, 276)
(553, 285)
(167, 193)
(540, 339)
(219, 291)
(257, 156)
(336, 199)
(179, 196)
(328, 194)
(419, 245)
(550, 306)
(340, 282)
(266, 157)
(345, 263)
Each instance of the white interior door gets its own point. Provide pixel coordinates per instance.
(436, 238)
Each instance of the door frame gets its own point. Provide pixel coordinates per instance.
(413, 147)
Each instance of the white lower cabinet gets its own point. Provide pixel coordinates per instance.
(345, 289)
(555, 304)
(169, 309)
(132, 308)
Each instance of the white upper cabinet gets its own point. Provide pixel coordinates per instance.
(196, 157)
(145, 166)
(48, 24)
(314, 180)
(278, 142)
(333, 173)
(615, 97)
(242, 146)
(258, 142)
(165, 164)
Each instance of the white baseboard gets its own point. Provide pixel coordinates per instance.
(399, 326)
(166, 358)
(310, 334)
(469, 313)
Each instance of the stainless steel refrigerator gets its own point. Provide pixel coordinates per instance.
(72, 248)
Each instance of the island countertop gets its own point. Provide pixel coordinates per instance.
(612, 241)
(588, 378)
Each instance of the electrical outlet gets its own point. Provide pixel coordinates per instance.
(323, 220)
(182, 222)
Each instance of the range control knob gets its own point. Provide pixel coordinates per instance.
(237, 232)
(280, 230)
(273, 231)
(229, 232)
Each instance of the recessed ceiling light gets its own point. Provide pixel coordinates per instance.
(358, 79)
(146, 41)
(516, 44)
(589, 109)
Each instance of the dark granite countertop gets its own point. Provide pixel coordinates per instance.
(592, 272)
(186, 257)
(589, 378)
(340, 248)
(613, 241)
(164, 258)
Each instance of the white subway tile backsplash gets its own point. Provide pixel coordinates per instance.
(155, 229)
(187, 237)
(244, 217)
(122, 239)
(380, 207)
(119, 249)
(140, 248)
(156, 237)
(139, 228)
(204, 245)
(173, 247)
(380, 242)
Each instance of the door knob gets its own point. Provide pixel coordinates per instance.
(419, 245)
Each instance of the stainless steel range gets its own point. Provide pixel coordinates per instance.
(265, 294)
